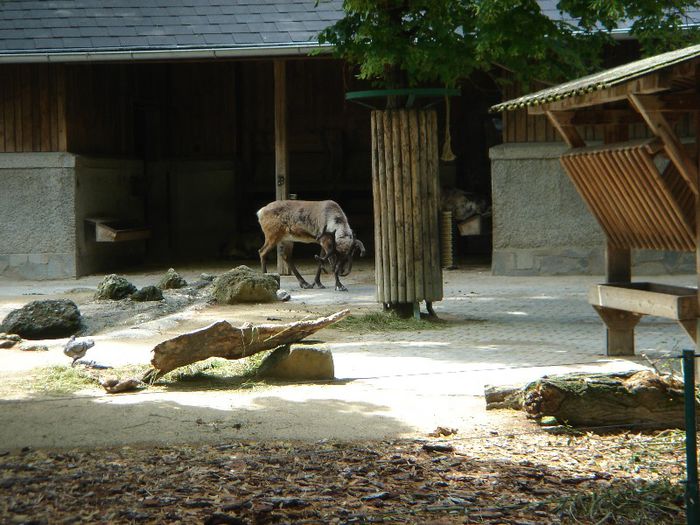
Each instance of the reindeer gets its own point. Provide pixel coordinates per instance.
(322, 222)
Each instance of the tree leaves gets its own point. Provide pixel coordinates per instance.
(400, 43)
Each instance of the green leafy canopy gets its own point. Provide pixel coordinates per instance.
(399, 43)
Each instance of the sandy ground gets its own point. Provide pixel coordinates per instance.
(387, 386)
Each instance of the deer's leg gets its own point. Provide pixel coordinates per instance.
(317, 279)
(339, 287)
(266, 248)
(302, 281)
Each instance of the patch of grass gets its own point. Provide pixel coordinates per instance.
(638, 503)
(215, 373)
(386, 322)
(61, 379)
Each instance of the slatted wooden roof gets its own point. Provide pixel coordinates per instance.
(603, 80)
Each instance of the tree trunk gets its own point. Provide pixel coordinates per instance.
(220, 339)
(644, 399)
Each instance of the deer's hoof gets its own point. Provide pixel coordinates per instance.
(341, 288)
(318, 285)
(306, 285)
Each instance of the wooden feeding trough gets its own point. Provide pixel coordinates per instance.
(644, 193)
(115, 230)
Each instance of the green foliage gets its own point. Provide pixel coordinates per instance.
(386, 322)
(399, 43)
(638, 502)
(658, 24)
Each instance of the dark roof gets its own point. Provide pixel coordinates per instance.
(60, 27)
(602, 80)
(62, 30)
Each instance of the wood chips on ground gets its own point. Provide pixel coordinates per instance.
(516, 479)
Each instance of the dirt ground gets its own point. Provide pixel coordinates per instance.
(359, 449)
(355, 406)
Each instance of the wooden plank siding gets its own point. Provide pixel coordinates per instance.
(31, 107)
(518, 126)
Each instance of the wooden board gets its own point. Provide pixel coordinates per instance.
(112, 230)
(670, 302)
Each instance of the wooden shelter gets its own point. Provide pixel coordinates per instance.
(644, 192)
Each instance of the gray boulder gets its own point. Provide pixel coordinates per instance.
(9, 340)
(50, 319)
(114, 287)
(171, 280)
(243, 285)
(298, 362)
(148, 293)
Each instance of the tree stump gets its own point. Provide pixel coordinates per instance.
(643, 399)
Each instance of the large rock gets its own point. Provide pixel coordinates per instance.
(298, 362)
(9, 340)
(114, 287)
(148, 293)
(171, 280)
(243, 285)
(49, 319)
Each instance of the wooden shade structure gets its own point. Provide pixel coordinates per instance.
(644, 193)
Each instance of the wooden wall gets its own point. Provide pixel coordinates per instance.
(152, 111)
(32, 108)
(518, 126)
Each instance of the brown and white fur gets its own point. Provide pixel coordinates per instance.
(322, 222)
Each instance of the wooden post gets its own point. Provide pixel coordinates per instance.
(619, 337)
(697, 213)
(281, 151)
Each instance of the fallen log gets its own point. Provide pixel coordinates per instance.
(221, 339)
(642, 399)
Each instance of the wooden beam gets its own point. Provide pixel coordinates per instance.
(646, 85)
(598, 117)
(281, 151)
(648, 106)
(563, 123)
(678, 102)
(620, 330)
(694, 331)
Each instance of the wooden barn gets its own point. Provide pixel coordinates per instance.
(151, 132)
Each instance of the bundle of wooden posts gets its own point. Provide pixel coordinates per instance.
(406, 204)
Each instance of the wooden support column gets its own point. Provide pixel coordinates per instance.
(697, 219)
(620, 330)
(281, 152)
(620, 325)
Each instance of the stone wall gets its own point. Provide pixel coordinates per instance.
(541, 226)
(37, 215)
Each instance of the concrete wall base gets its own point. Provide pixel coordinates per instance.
(541, 226)
(37, 221)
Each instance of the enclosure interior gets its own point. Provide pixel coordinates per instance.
(187, 151)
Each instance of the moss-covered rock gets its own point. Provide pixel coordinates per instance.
(243, 285)
(148, 293)
(114, 287)
(171, 280)
(298, 362)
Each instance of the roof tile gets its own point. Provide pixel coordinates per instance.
(55, 26)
